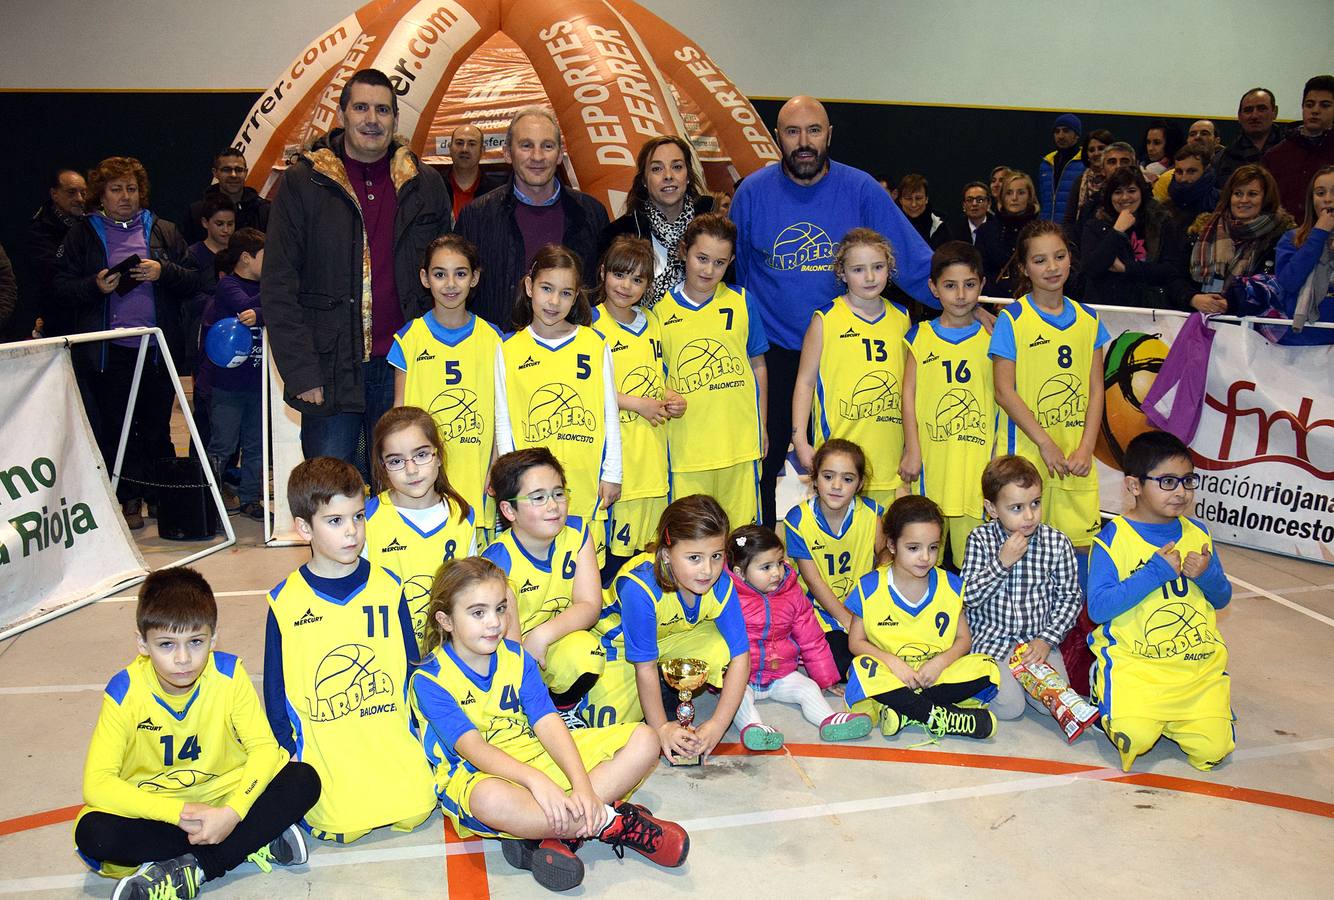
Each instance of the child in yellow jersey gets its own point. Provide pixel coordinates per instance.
(635, 341)
(948, 399)
(714, 345)
(914, 662)
(418, 520)
(549, 558)
(850, 379)
(674, 601)
(1047, 353)
(1154, 586)
(555, 386)
(505, 765)
(835, 538)
(184, 779)
(338, 647)
(445, 362)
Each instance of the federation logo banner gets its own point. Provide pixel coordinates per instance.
(62, 538)
(1264, 448)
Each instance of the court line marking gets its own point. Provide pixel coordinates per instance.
(1047, 774)
(1304, 589)
(1282, 601)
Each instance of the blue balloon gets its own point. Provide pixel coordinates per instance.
(229, 343)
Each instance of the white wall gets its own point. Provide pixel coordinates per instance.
(1183, 57)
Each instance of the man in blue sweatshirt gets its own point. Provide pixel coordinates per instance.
(789, 219)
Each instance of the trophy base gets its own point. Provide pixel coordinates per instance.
(681, 762)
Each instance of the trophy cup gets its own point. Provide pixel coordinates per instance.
(686, 676)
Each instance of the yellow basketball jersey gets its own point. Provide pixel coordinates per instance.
(1051, 373)
(491, 703)
(843, 553)
(708, 365)
(914, 632)
(345, 670)
(956, 413)
(1164, 657)
(395, 543)
(672, 614)
(859, 388)
(543, 588)
(456, 384)
(166, 749)
(636, 358)
(556, 400)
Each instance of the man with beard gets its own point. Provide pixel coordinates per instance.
(229, 174)
(46, 232)
(350, 225)
(789, 219)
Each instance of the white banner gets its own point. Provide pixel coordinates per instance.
(1265, 443)
(62, 538)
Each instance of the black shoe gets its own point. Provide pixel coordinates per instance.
(951, 719)
(553, 863)
(252, 510)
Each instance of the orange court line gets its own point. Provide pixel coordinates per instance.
(470, 873)
(39, 820)
(465, 873)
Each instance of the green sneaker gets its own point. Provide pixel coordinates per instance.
(174, 879)
(287, 849)
(891, 723)
(758, 737)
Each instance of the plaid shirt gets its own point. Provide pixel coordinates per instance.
(1038, 597)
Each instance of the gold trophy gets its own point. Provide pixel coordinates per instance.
(686, 676)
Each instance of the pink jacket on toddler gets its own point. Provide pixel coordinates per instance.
(783, 631)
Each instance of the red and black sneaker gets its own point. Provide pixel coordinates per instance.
(553, 863)
(664, 842)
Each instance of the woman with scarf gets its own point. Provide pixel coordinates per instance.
(148, 293)
(1132, 253)
(1305, 264)
(1090, 181)
(1192, 190)
(997, 236)
(665, 196)
(1237, 239)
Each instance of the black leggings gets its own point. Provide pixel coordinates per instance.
(838, 648)
(131, 842)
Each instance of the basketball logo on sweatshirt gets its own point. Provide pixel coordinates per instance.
(555, 410)
(1176, 628)
(705, 363)
(345, 680)
(644, 381)
(803, 246)
(456, 415)
(1061, 401)
(874, 396)
(958, 417)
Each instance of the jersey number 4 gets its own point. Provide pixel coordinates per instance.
(509, 698)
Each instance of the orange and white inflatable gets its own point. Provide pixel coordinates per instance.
(615, 74)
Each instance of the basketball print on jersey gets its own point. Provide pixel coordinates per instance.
(804, 246)
(555, 411)
(705, 363)
(456, 415)
(1061, 401)
(417, 594)
(644, 381)
(345, 680)
(874, 396)
(176, 780)
(1176, 628)
(958, 416)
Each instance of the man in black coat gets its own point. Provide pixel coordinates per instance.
(346, 238)
(510, 224)
(46, 231)
(229, 174)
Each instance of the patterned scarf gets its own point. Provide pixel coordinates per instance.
(669, 235)
(1089, 187)
(1227, 248)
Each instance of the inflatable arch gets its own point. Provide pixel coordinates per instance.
(614, 73)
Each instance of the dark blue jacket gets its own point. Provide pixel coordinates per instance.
(1052, 197)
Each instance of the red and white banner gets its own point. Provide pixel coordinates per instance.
(1265, 444)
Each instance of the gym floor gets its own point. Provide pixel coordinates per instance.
(873, 818)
